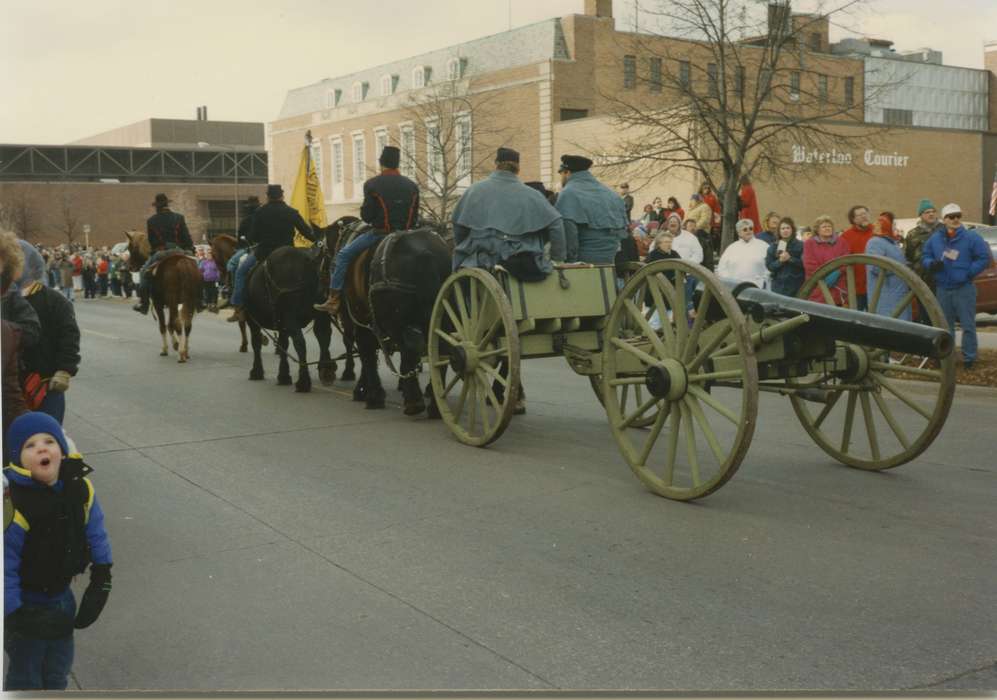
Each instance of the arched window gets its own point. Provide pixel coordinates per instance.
(360, 91)
(387, 85)
(420, 76)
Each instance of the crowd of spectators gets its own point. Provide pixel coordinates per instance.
(775, 253)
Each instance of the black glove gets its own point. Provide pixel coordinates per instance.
(95, 596)
(39, 622)
(937, 266)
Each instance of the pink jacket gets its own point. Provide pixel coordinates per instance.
(816, 252)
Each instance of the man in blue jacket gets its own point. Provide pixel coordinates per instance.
(955, 256)
(595, 218)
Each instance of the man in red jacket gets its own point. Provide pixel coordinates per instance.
(857, 237)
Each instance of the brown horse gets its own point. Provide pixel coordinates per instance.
(176, 286)
(223, 247)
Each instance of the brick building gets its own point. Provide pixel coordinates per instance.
(557, 81)
(106, 183)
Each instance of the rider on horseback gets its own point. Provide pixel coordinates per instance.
(242, 246)
(167, 231)
(390, 203)
(272, 227)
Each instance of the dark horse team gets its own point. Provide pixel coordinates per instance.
(383, 271)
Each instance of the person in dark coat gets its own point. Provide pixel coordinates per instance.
(390, 203)
(167, 230)
(785, 260)
(242, 247)
(13, 307)
(57, 356)
(13, 399)
(273, 226)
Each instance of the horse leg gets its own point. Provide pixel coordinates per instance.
(256, 373)
(368, 369)
(182, 332)
(242, 331)
(283, 370)
(188, 324)
(350, 347)
(162, 330)
(304, 383)
(172, 325)
(414, 403)
(322, 329)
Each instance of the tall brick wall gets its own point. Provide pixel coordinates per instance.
(111, 209)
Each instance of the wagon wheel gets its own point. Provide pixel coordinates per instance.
(711, 410)
(900, 419)
(632, 398)
(474, 356)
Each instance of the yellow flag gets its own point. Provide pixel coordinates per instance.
(307, 198)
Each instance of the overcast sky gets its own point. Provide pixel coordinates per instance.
(70, 69)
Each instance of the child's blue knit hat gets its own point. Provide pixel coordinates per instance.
(29, 424)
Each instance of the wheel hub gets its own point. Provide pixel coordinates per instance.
(857, 367)
(666, 380)
(464, 359)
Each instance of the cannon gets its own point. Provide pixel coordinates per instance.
(678, 358)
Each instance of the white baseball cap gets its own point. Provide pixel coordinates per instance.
(952, 208)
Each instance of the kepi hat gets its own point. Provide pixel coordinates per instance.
(574, 164)
(506, 155)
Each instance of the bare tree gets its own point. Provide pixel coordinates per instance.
(70, 220)
(460, 131)
(734, 88)
(18, 214)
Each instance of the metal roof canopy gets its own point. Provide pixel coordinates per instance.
(92, 164)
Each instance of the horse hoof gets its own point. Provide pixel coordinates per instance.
(349, 376)
(255, 376)
(303, 387)
(176, 345)
(414, 408)
(374, 404)
(164, 354)
(243, 348)
(327, 377)
(359, 393)
(283, 381)
(182, 360)
(432, 412)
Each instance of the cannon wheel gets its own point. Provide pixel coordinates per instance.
(638, 395)
(676, 369)
(880, 387)
(471, 336)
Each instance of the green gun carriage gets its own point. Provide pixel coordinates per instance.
(678, 358)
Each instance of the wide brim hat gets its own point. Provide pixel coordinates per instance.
(275, 191)
(161, 200)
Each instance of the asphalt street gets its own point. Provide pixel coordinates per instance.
(265, 539)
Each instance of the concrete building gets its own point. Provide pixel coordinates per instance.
(557, 82)
(98, 187)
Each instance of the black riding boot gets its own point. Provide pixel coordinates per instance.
(143, 296)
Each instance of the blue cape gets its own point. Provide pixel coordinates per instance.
(587, 201)
(505, 204)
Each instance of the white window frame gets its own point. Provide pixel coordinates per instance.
(317, 157)
(434, 155)
(387, 85)
(465, 150)
(359, 91)
(419, 74)
(453, 69)
(337, 169)
(330, 99)
(381, 139)
(409, 148)
(359, 164)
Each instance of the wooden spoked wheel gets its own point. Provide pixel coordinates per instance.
(903, 399)
(664, 337)
(631, 398)
(474, 356)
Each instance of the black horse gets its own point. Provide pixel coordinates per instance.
(279, 297)
(388, 299)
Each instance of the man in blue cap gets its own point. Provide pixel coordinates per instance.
(595, 217)
(917, 237)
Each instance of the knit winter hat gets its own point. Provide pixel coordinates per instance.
(28, 424)
(924, 206)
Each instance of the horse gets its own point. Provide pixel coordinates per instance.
(387, 303)
(223, 247)
(176, 286)
(280, 293)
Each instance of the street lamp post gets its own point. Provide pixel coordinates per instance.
(235, 163)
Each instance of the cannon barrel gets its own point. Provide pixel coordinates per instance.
(846, 325)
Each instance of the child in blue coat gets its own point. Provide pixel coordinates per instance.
(56, 532)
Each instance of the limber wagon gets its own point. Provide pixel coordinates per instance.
(678, 357)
